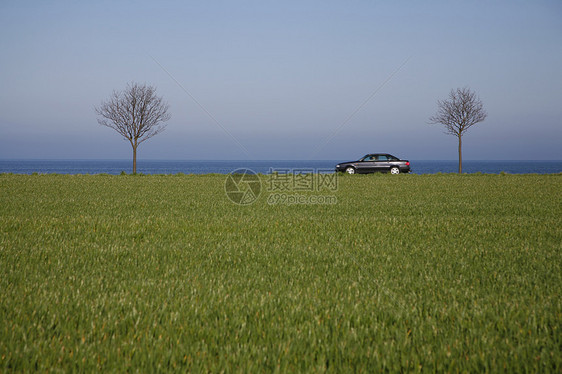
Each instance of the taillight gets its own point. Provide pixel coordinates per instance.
(407, 163)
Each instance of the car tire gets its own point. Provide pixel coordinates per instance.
(350, 170)
(395, 170)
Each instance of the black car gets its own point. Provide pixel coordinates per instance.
(374, 162)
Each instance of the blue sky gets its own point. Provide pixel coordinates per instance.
(282, 76)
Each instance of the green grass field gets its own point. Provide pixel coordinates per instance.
(403, 273)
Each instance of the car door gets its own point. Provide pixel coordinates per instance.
(382, 163)
(366, 165)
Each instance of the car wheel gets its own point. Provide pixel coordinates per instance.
(394, 170)
(350, 170)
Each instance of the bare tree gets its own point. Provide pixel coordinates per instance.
(136, 113)
(460, 112)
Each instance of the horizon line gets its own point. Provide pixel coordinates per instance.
(244, 160)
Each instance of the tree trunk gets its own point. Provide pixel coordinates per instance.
(134, 158)
(460, 154)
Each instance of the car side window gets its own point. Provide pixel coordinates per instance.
(382, 158)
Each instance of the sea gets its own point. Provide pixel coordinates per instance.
(262, 166)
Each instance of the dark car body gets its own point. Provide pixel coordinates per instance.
(375, 162)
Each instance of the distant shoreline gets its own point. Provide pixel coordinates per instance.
(116, 167)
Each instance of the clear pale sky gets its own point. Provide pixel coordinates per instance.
(282, 76)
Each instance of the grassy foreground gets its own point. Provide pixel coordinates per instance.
(155, 273)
